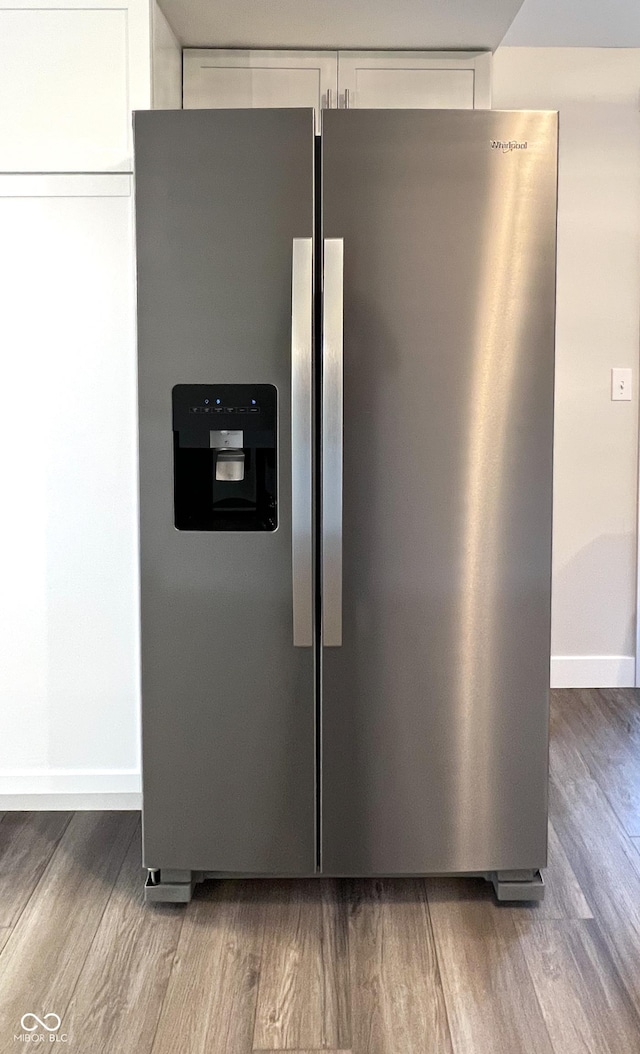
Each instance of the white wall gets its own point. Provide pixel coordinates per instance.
(597, 92)
(576, 23)
(166, 61)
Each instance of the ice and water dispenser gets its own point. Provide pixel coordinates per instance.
(225, 457)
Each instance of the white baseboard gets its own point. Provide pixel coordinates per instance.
(70, 802)
(69, 789)
(593, 671)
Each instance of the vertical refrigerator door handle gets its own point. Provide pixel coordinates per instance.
(332, 432)
(301, 441)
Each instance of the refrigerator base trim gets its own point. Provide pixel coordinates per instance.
(523, 886)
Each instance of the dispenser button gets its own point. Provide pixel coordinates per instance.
(254, 410)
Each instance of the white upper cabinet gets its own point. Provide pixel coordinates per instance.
(228, 78)
(70, 75)
(327, 79)
(414, 80)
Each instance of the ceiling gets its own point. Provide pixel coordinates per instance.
(389, 24)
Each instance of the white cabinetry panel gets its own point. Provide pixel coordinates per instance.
(68, 534)
(228, 78)
(69, 77)
(414, 80)
(412, 89)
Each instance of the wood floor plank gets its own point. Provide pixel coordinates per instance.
(397, 999)
(303, 995)
(45, 952)
(210, 1002)
(490, 1000)
(27, 842)
(608, 750)
(564, 899)
(565, 759)
(622, 707)
(585, 1005)
(5, 933)
(117, 1001)
(321, 1050)
(608, 869)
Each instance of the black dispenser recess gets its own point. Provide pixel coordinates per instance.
(225, 457)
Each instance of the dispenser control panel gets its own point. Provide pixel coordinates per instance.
(193, 404)
(225, 457)
(224, 409)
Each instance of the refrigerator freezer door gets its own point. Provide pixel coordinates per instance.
(435, 706)
(228, 701)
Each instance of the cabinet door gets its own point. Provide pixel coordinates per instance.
(68, 535)
(70, 75)
(228, 78)
(414, 80)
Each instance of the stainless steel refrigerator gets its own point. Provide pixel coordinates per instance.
(346, 353)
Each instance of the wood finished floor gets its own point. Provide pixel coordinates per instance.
(431, 966)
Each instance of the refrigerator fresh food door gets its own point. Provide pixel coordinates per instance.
(225, 215)
(439, 288)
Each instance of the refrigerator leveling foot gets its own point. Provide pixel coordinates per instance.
(517, 885)
(167, 886)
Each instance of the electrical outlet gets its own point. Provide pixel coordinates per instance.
(620, 384)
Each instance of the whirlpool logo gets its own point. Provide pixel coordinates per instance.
(45, 1029)
(505, 146)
